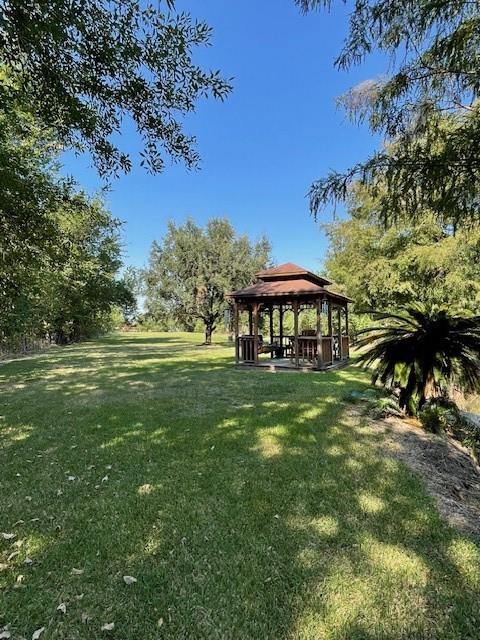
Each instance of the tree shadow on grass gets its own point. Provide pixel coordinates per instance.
(246, 504)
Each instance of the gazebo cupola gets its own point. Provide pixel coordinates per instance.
(290, 288)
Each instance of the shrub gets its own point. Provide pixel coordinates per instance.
(384, 406)
(440, 415)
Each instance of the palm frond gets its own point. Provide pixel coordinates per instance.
(421, 350)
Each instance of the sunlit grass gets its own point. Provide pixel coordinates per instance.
(246, 504)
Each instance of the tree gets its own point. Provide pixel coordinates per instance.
(428, 107)
(387, 268)
(79, 294)
(59, 249)
(192, 269)
(30, 194)
(83, 66)
(421, 350)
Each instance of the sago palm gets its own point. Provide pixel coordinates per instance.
(421, 351)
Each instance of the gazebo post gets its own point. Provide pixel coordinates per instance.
(250, 321)
(339, 316)
(280, 310)
(237, 344)
(255, 332)
(271, 327)
(319, 334)
(346, 319)
(295, 332)
(330, 329)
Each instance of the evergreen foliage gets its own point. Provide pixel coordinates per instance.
(387, 268)
(427, 107)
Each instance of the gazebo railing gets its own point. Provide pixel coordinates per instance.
(327, 350)
(248, 349)
(308, 349)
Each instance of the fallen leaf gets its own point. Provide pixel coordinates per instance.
(15, 524)
(36, 634)
(129, 579)
(34, 519)
(108, 466)
(62, 607)
(105, 478)
(160, 622)
(19, 579)
(109, 626)
(85, 618)
(7, 536)
(145, 489)
(277, 516)
(29, 499)
(12, 555)
(5, 634)
(59, 492)
(77, 572)
(28, 561)
(71, 478)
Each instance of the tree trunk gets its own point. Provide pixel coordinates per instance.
(406, 399)
(208, 333)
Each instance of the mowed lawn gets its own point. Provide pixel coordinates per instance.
(246, 504)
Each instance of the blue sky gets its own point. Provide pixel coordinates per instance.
(261, 148)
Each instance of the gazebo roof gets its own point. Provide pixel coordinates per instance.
(291, 271)
(287, 281)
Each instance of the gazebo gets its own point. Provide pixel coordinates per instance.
(290, 288)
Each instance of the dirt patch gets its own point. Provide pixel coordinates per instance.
(450, 474)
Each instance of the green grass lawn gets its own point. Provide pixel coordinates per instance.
(245, 504)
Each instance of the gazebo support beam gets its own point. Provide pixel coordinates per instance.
(255, 331)
(280, 309)
(295, 332)
(339, 316)
(270, 314)
(237, 344)
(319, 334)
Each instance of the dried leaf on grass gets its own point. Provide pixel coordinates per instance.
(7, 536)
